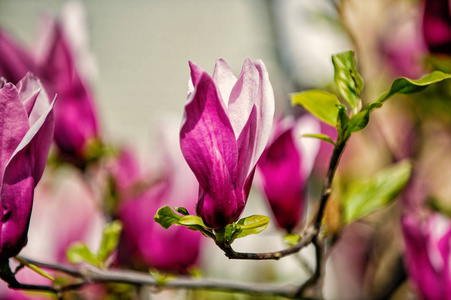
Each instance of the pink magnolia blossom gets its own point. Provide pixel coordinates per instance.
(285, 166)
(26, 121)
(428, 250)
(437, 25)
(54, 62)
(226, 126)
(144, 243)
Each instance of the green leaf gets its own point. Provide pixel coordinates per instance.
(110, 240)
(320, 136)
(34, 268)
(320, 103)
(347, 78)
(361, 119)
(342, 122)
(251, 225)
(182, 210)
(292, 239)
(363, 198)
(406, 86)
(78, 252)
(166, 217)
(230, 231)
(191, 221)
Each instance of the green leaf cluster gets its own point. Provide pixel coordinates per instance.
(328, 108)
(166, 217)
(78, 252)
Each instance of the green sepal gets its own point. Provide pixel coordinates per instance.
(78, 252)
(365, 197)
(347, 79)
(321, 137)
(166, 217)
(292, 239)
(251, 225)
(34, 268)
(191, 221)
(161, 278)
(110, 240)
(182, 210)
(319, 103)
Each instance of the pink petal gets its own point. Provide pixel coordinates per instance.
(207, 139)
(265, 105)
(224, 79)
(13, 124)
(308, 147)
(243, 97)
(34, 97)
(15, 62)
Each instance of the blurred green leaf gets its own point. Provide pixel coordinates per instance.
(364, 198)
(230, 233)
(320, 136)
(406, 86)
(342, 123)
(347, 78)
(320, 103)
(110, 240)
(251, 225)
(34, 268)
(292, 239)
(166, 217)
(361, 119)
(78, 252)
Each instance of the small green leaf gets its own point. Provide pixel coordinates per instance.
(161, 278)
(361, 119)
(363, 198)
(292, 239)
(191, 221)
(320, 136)
(347, 78)
(230, 231)
(182, 210)
(166, 217)
(78, 252)
(34, 268)
(342, 122)
(320, 103)
(110, 240)
(406, 86)
(251, 225)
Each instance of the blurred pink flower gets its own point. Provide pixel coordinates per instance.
(54, 62)
(144, 243)
(437, 25)
(285, 166)
(427, 254)
(27, 123)
(226, 126)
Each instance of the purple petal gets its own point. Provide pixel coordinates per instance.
(34, 97)
(207, 140)
(437, 25)
(13, 124)
(15, 62)
(246, 145)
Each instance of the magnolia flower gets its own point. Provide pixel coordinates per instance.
(427, 257)
(285, 166)
(144, 243)
(226, 126)
(26, 135)
(54, 61)
(437, 25)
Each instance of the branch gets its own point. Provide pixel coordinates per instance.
(88, 275)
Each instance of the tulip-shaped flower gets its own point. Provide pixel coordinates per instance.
(428, 250)
(285, 166)
(226, 126)
(26, 121)
(437, 25)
